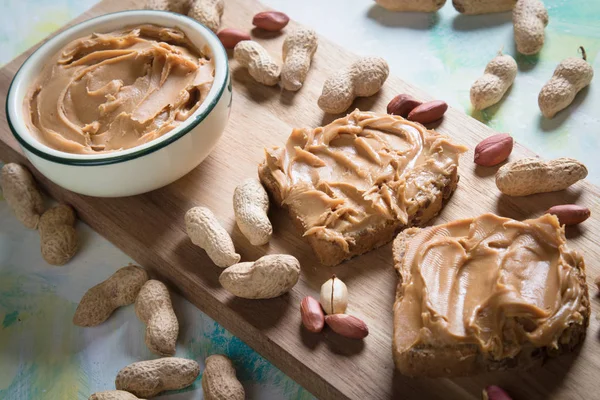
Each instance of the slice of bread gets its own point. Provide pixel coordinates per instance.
(424, 203)
(420, 351)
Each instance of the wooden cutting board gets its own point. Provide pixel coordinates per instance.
(150, 229)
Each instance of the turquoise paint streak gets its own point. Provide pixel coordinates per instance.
(10, 319)
(37, 343)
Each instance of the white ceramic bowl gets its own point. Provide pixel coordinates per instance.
(142, 168)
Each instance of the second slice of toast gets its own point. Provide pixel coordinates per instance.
(485, 294)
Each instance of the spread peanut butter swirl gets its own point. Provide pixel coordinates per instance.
(359, 172)
(489, 281)
(118, 90)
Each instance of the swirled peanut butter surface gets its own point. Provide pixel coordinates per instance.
(489, 281)
(359, 172)
(117, 90)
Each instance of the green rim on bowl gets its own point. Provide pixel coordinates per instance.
(136, 154)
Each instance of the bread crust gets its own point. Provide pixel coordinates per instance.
(330, 253)
(467, 359)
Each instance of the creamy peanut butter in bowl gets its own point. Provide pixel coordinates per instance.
(122, 104)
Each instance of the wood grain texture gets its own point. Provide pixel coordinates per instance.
(151, 230)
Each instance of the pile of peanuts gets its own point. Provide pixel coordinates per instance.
(530, 19)
(58, 237)
(298, 48)
(145, 379)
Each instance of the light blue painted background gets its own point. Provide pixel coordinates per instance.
(43, 356)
